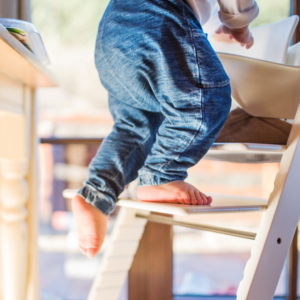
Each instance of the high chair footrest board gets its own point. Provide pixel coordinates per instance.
(221, 204)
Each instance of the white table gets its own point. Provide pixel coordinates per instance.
(20, 74)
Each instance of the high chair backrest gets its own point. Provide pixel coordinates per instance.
(261, 88)
(293, 55)
(271, 42)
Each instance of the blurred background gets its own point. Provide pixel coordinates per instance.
(205, 264)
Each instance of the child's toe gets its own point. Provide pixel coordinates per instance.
(193, 197)
(205, 200)
(209, 198)
(186, 199)
(199, 198)
(91, 252)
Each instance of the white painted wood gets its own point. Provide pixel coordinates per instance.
(243, 148)
(216, 229)
(293, 55)
(20, 74)
(30, 110)
(263, 269)
(14, 229)
(245, 153)
(262, 88)
(221, 204)
(119, 255)
(69, 193)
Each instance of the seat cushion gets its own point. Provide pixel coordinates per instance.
(241, 127)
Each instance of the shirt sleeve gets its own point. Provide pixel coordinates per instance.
(237, 13)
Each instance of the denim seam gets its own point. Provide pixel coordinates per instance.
(92, 188)
(137, 146)
(201, 123)
(195, 51)
(206, 84)
(214, 84)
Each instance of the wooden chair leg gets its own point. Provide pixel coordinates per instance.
(293, 268)
(151, 273)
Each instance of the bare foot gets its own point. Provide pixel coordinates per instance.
(91, 226)
(173, 192)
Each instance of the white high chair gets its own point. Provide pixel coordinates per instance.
(261, 88)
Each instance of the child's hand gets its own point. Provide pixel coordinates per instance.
(241, 35)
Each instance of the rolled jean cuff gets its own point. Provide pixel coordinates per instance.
(152, 179)
(97, 199)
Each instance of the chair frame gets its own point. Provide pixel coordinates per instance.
(269, 252)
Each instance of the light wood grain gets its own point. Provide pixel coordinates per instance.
(151, 273)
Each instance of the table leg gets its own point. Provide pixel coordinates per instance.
(14, 229)
(151, 273)
(17, 196)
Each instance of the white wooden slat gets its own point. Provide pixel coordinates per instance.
(118, 263)
(247, 148)
(112, 293)
(129, 233)
(221, 204)
(112, 279)
(124, 248)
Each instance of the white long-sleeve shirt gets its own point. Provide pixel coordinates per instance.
(233, 13)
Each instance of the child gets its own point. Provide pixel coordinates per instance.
(169, 96)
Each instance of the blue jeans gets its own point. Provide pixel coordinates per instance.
(168, 94)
